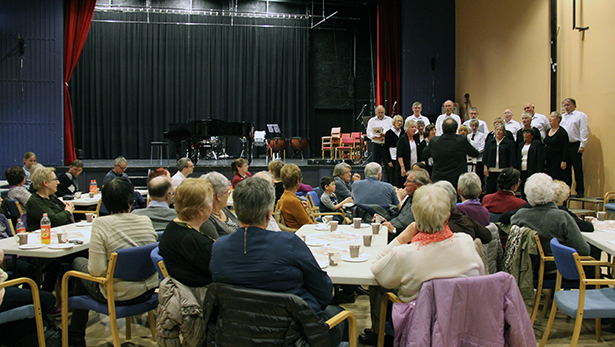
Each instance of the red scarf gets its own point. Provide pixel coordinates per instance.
(424, 239)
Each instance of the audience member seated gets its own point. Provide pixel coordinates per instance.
(548, 221)
(160, 192)
(328, 199)
(469, 190)
(408, 261)
(562, 191)
(17, 191)
(121, 229)
(240, 169)
(119, 170)
(68, 181)
(293, 210)
(184, 169)
(158, 172)
(459, 223)
(29, 159)
(344, 180)
(185, 250)
(267, 176)
(275, 167)
(245, 257)
(372, 191)
(45, 183)
(13, 297)
(400, 221)
(504, 199)
(221, 220)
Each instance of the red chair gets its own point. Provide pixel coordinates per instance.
(330, 142)
(347, 145)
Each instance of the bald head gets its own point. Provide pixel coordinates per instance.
(264, 175)
(380, 111)
(159, 188)
(508, 115)
(529, 107)
(448, 107)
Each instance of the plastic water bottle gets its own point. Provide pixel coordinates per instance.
(21, 228)
(45, 229)
(93, 187)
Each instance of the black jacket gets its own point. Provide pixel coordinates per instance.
(236, 316)
(449, 153)
(535, 157)
(535, 135)
(507, 153)
(404, 151)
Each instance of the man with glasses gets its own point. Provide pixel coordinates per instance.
(448, 113)
(160, 193)
(539, 121)
(184, 169)
(575, 123)
(482, 125)
(118, 171)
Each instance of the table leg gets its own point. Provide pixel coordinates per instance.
(15, 274)
(39, 277)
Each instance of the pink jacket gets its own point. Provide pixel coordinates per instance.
(466, 311)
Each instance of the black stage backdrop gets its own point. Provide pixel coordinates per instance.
(139, 72)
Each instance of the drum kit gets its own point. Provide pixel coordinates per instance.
(212, 148)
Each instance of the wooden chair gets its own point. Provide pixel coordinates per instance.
(96, 211)
(608, 206)
(346, 146)
(128, 264)
(584, 303)
(329, 143)
(279, 218)
(314, 206)
(28, 311)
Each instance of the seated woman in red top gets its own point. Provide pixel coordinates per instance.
(504, 199)
(240, 169)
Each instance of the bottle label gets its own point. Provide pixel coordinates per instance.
(21, 230)
(45, 234)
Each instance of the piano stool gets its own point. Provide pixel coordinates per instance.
(159, 146)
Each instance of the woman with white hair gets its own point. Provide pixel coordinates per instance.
(44, 200)
(547, 220)
(221, 220)
(342, 174)
(469, 189)
(409, 260)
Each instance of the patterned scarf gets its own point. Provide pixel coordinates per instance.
(424, 239)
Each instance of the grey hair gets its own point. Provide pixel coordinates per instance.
(526, 114)
(408, 124)
(474, 109)
(420, 176)
(182, 163)
(452, 194)
(557, 115)
(539, 189)
(41, 175)
(562, 191)
(430, 206)
(266, 175)
(339, 169)
(500, 125)
(219, 182)
(372, 169)
(253, 198)
(469, 185)
(119, 160)
(416, 103)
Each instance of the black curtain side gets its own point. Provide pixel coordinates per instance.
(139, 74)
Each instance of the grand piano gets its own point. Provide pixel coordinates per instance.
(197, 130)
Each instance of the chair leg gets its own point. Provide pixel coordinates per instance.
(128, 328)
(598, 329)
(115, 334)
(152, 323)
(577, 329)
(545, 336)
(548, 298)
(536, 302)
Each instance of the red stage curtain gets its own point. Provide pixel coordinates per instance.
(389, 52)
(77, 18)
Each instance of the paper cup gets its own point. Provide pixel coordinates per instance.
(89, 217)
(354, 251)
(367, 240)
(333, 225)
(378, 219)
(375, 228)
(601, 216)
(356, 222)
(62, 236)
(23, 238)
(77, 195)
(91, 194)
(334, 258)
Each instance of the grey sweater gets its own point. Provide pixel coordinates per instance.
(551, 222)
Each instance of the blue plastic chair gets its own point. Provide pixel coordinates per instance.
(8, 227)
(584, 303)
(129, 264)
(26, 311)
(159, 264)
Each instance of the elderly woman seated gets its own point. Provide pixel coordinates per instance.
(468, 187)
(45, 183)
(408, 261)
(547, 220)
(504, 199)
(221, 220)
(245, 257)
(293, 210)
(459, 223)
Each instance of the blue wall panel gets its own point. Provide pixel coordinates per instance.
(31, 97)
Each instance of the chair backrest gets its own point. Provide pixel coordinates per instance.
(158, 261)
(24, 220)
(134, 263)
(335, 132)
(564, 259)
(347, 139)
(314, 200)
(14, 209)
(8, 227)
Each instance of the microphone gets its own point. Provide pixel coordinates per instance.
(394, 104)
(361, 113)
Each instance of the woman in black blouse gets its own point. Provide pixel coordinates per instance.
(556, 148)
(390, 142)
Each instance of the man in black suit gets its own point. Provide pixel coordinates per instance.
(449, 152)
